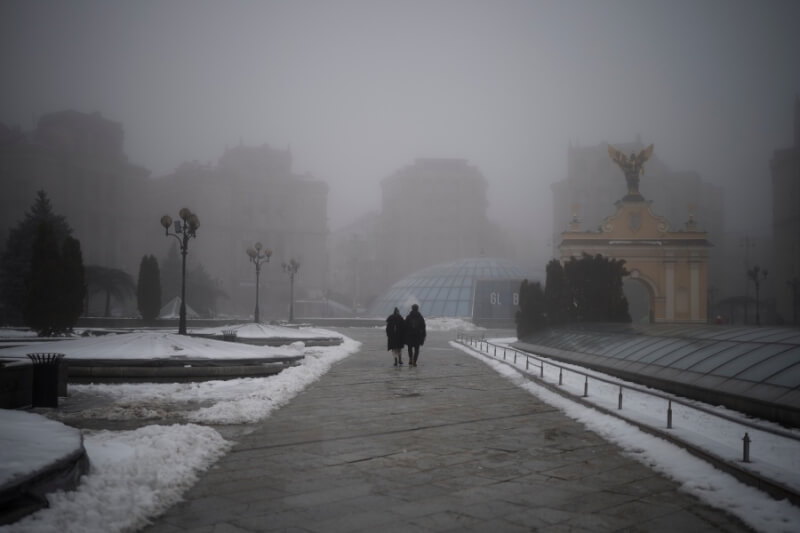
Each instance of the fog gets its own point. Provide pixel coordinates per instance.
(359, 89)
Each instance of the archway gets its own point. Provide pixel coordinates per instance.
(640, 300)
(670, 266)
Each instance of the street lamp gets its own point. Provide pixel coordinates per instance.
(757, 276)
(257, 257)
(183, 230)
(291, 268)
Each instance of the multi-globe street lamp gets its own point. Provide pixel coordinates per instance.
(257, 257)
(757, 276)
(183, 230)
(291, 268)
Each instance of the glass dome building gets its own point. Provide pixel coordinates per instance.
(450, 289)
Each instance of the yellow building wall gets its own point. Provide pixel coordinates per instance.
(672, 264)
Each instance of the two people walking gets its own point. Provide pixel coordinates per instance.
(405, 332)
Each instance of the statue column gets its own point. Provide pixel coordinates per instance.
(694, 290)
(669, 292)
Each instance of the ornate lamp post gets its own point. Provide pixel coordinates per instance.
(291, 268)
(257, 257)
(757, 276)
(183, 230)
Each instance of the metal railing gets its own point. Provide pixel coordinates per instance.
(538, 364)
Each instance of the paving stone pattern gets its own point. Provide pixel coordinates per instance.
(446, 446)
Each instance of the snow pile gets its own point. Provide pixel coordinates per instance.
(450, 324)
(34, 443)
(134, 475)
(139, 474)
(254, 330)
(149, 345)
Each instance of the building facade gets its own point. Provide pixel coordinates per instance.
(435, 211)
(250, 195)
(785, 272)
(593, 185)
(78, 160)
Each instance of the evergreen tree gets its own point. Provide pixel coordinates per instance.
(557, 296)
(148, 289)
(42, 284)
(74, 281)
(595, 286)
(531, 314)
(15, 261)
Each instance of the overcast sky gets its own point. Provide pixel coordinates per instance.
(359, 89)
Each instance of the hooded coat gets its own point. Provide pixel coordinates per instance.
(415, 328)
(395, 331)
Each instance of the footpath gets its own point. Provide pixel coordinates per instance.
(447, 446)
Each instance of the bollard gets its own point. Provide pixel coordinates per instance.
(515, 357)
(495, 353)
(541, 369)
(586, 387)
(619, 404)
(560, 376)
(746, 448)
(504, 353)
(669, 415)
(527, 362)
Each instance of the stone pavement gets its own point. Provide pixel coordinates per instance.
(447, 446)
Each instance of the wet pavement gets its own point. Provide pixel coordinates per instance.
(447, 446)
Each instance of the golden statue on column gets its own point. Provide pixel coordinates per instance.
(633, 167)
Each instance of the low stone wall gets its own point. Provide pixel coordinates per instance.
(16, 383)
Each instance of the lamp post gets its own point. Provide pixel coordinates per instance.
(291, 268)
(183, 230)
(257, 257)
(757, 276)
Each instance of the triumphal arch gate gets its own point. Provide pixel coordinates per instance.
(672, 266)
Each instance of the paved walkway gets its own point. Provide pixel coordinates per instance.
(447, 446)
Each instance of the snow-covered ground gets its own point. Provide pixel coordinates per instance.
(718, 489)
(450, 324)
(138, 474)
(167, 345)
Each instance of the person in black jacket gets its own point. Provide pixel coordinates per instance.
(395, 335)
(415, 334)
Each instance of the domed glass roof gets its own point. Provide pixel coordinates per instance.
(446, 289)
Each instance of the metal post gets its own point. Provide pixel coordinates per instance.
(746, 450)
(541, 369)
(586, 387)
(560, 376)
(669, 415)
(619, 405)
(182, 318)
(256, 314)
(527, 361)
(515, 357)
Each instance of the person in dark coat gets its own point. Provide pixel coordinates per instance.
(395, 335)
(415, 334)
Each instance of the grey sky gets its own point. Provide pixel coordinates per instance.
(361, 88)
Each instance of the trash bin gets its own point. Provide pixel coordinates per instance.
(45, 378)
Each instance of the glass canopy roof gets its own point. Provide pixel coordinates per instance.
(758, 355)
(444, 290)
